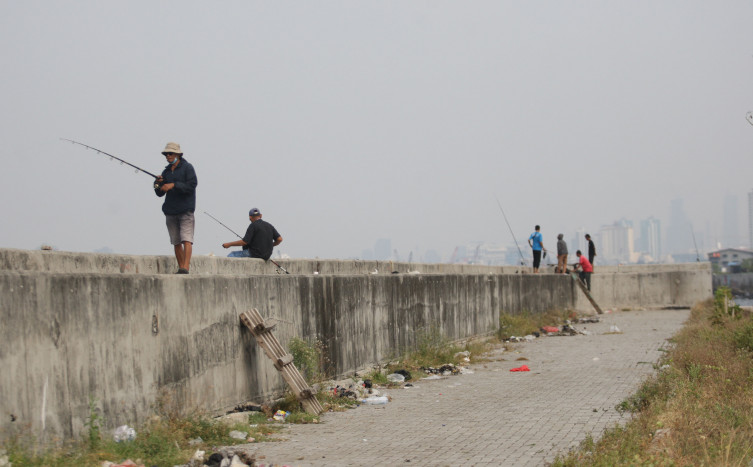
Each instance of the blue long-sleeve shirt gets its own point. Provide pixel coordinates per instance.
(182, 197)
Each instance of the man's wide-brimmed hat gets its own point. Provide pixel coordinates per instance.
(172, 147)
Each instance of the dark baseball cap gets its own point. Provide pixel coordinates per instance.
(254, 212)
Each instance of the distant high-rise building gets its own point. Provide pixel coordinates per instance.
(578, 242)
(617, 242)
(650, 239)
(730, 236)
(679, 233)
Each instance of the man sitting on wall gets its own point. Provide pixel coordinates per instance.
(261, 237)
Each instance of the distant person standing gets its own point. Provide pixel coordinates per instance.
(591, 249)
(561, 254)
(261, 237)
(536, 242)
(586, 269)
(178, 185)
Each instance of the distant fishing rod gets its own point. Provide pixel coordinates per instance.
(697, 255)
(522, 260)
(233, 231)
(138, 169)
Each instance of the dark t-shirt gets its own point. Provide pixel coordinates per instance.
(259, 238)
(182, 198)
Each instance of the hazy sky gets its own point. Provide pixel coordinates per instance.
(349, 121)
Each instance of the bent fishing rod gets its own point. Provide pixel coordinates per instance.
(522, 260)
(233, 231)
(138, 169)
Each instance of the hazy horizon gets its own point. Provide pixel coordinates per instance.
(347, 122)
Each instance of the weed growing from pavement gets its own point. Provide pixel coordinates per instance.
(93, 424)
(308, 357)
(697, 410)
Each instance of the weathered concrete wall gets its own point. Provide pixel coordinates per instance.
(77, 326)
(61, 261)
(681, 287)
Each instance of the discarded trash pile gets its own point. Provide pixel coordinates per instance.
(444, 370)
(224, 457)
(362, 391)
(589, 319)
(565, 330)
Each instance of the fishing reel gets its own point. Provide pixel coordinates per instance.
(158, 185)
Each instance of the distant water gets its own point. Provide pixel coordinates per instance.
(744, 301)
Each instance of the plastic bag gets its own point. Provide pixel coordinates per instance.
(124, 433)
(376, 400)
(396, 378)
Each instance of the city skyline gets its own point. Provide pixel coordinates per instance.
(645, 244)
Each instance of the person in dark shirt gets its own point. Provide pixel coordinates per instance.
(591, 249)
(178, 185)
(561, 254)
(261, 237)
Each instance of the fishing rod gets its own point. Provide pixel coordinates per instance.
(697, 255)
(138, 169)
(522, 260)
(233, 231)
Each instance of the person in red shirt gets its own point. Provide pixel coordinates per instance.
(585, 269)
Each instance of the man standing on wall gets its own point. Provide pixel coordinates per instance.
(536, 242)
(178, 185)
(261, 237)
(591, 250)
(585, 269)
(561, 254)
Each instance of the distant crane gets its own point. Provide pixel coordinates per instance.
(475, 255)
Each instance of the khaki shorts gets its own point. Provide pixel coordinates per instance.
(180, 227)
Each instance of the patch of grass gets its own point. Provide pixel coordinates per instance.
(308, 357)
(432, 348)
(702, 397)
(334, 403)
(527, 323)
(161, 441)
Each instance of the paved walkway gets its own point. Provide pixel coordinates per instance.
(494, 416)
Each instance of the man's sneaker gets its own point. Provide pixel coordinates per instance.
(182, 271)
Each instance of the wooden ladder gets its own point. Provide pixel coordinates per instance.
(585, 291)
(282, 360)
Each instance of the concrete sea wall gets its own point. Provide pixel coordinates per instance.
(119, 329)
